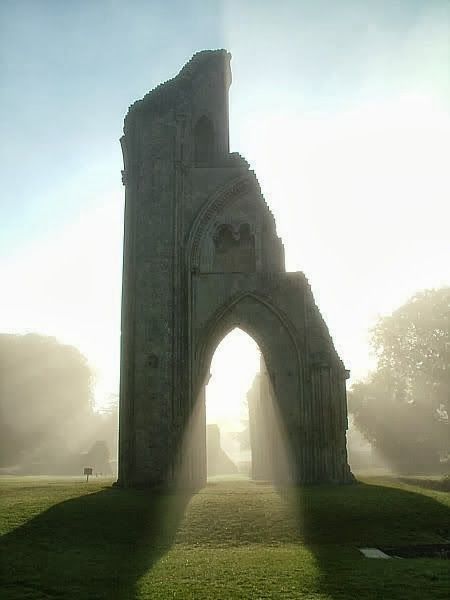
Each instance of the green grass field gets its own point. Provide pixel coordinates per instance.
(67, 539)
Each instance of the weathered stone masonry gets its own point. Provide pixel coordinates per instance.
(202, 256)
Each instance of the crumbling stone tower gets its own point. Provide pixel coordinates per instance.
(202, 256)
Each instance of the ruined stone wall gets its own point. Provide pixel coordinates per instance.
(201, 256)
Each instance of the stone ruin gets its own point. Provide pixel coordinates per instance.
(218, 461)
(201, 257)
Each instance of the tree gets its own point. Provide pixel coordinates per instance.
(46, 406)
(98, 458)
(403, 407)
(413, 346)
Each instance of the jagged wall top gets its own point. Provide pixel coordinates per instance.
(164, 95)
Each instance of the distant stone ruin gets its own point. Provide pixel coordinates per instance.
(201, 257)
(219, 463)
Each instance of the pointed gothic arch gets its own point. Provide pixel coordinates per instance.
(239, 311)
(275, 336)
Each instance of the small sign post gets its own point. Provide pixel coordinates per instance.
(87, 472)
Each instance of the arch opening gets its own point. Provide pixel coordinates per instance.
(237, 412)
(234, 249)
(233, 372)
(273, 403)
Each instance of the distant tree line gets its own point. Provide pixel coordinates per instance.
(403, 407)
(48, 424)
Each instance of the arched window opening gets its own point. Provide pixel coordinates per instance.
(234, 249)
(204, 142)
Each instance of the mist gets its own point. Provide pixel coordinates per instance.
(341, 110)
(48, 425)
(225, 299)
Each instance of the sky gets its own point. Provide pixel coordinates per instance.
(341, 108)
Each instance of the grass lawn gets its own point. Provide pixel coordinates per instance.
(67, 539)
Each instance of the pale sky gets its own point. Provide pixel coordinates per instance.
(341, 108)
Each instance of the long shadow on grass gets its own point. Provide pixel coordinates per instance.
(95, 546)
(334, 521)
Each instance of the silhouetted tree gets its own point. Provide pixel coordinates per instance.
(403, 407)
(98, 458)
(45, 399)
